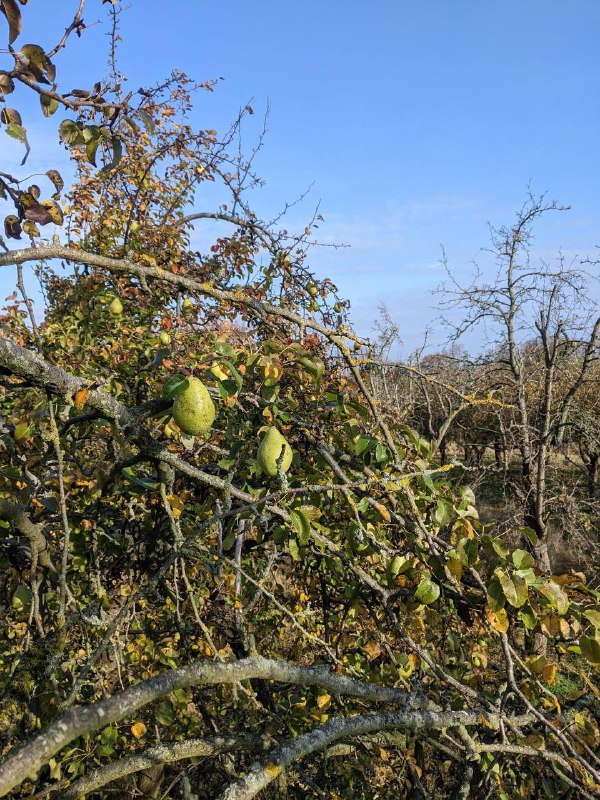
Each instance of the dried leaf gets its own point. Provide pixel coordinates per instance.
(81, 397)
(37, 213)
(12, 227)
(12, 12)
(54, 211)
(7, 85)
(55, 176)
(11, 115)
(383, 512)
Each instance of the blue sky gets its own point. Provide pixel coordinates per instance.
(416, 122)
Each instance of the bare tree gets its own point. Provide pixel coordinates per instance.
(544, 326)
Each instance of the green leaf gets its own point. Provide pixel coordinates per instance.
(109, 735)
(164, 713)
(301, 525)
(531, 535)
(174, 386)
(590, 649)
(593, 617)
(528, 575)
(48, 104)
(70, 132)
(294, 550)
(444, 512)
(500, 549)
(528, 617)
(427, 591)
(22, 431)
(508, 588)
(555, 595)
(381, 453)
(92, 137)
(117, 146)
(17, 132)
(467, 550)
(522, 559)
(467, 497)
(363, 444)
(224, 349)
(315, 367)
(235, 374)
(495, 594)
(521, 589)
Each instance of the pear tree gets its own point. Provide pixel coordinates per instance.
(187, 612)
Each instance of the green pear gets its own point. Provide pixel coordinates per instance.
(164, 338)
(269, 452)
(187, 305)
(116, 307)
(193, 409)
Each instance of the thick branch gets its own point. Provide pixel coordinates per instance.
(260, 775)
(85, 719)
(167, 753)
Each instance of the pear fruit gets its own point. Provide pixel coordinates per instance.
(193, 409)
(187, 305)
(269, 452)
(116, 307)
(164, 338)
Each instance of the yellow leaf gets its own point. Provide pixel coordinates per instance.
(498, 619)
(176, 504)
(383, 754)
(323, 700)
(549, 673)
(138, 729)
(384, 513)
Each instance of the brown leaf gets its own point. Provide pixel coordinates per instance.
(7, 85)
(9, 115)
(12, 227)
(57, 180)
(12, 12)
(37, 213)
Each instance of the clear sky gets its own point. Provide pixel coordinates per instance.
(416, 122)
